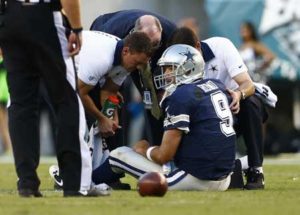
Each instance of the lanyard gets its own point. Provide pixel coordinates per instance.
(147, 98)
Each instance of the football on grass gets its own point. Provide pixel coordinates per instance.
(152, 184)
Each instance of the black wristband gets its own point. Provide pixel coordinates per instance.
(77, 30)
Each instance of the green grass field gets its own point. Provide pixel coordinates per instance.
(281, 196)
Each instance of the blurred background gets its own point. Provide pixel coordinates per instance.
(277, 27)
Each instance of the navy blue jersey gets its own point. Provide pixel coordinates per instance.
(201, 110)
(120, 24)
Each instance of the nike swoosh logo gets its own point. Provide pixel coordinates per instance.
(58, 180)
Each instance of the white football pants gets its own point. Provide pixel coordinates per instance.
(124, 159)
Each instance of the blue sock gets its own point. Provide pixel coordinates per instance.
(104, 174)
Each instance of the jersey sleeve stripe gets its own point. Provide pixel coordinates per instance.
(171, 120)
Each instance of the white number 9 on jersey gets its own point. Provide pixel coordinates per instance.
(220, 103)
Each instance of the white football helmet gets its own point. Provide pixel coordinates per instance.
(187, 66)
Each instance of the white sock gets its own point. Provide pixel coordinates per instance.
(260, 169)
(244, 162)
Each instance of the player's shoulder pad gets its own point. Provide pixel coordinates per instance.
(185, 93)
(210, 85)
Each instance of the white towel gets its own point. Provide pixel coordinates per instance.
(266, 94)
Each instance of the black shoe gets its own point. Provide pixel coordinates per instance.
(255, 179)
(29, 193)
(237, 181)
(118, 185)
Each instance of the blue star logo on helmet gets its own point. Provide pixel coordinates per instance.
(188, 54)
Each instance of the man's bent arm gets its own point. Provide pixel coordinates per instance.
(245, 84)
(166, 151)
(72, 10)
(88, 103)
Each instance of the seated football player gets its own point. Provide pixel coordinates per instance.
(198, 134)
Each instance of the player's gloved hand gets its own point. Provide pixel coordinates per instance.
(235, 104)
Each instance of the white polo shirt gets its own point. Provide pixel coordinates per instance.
(222, 61)
(98, 59)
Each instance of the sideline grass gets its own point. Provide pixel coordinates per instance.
(281, 196)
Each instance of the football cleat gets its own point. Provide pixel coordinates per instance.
(118, 185)
(255, 179)
(237, 181)
(54, 173)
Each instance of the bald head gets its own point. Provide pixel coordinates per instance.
(151, 26)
